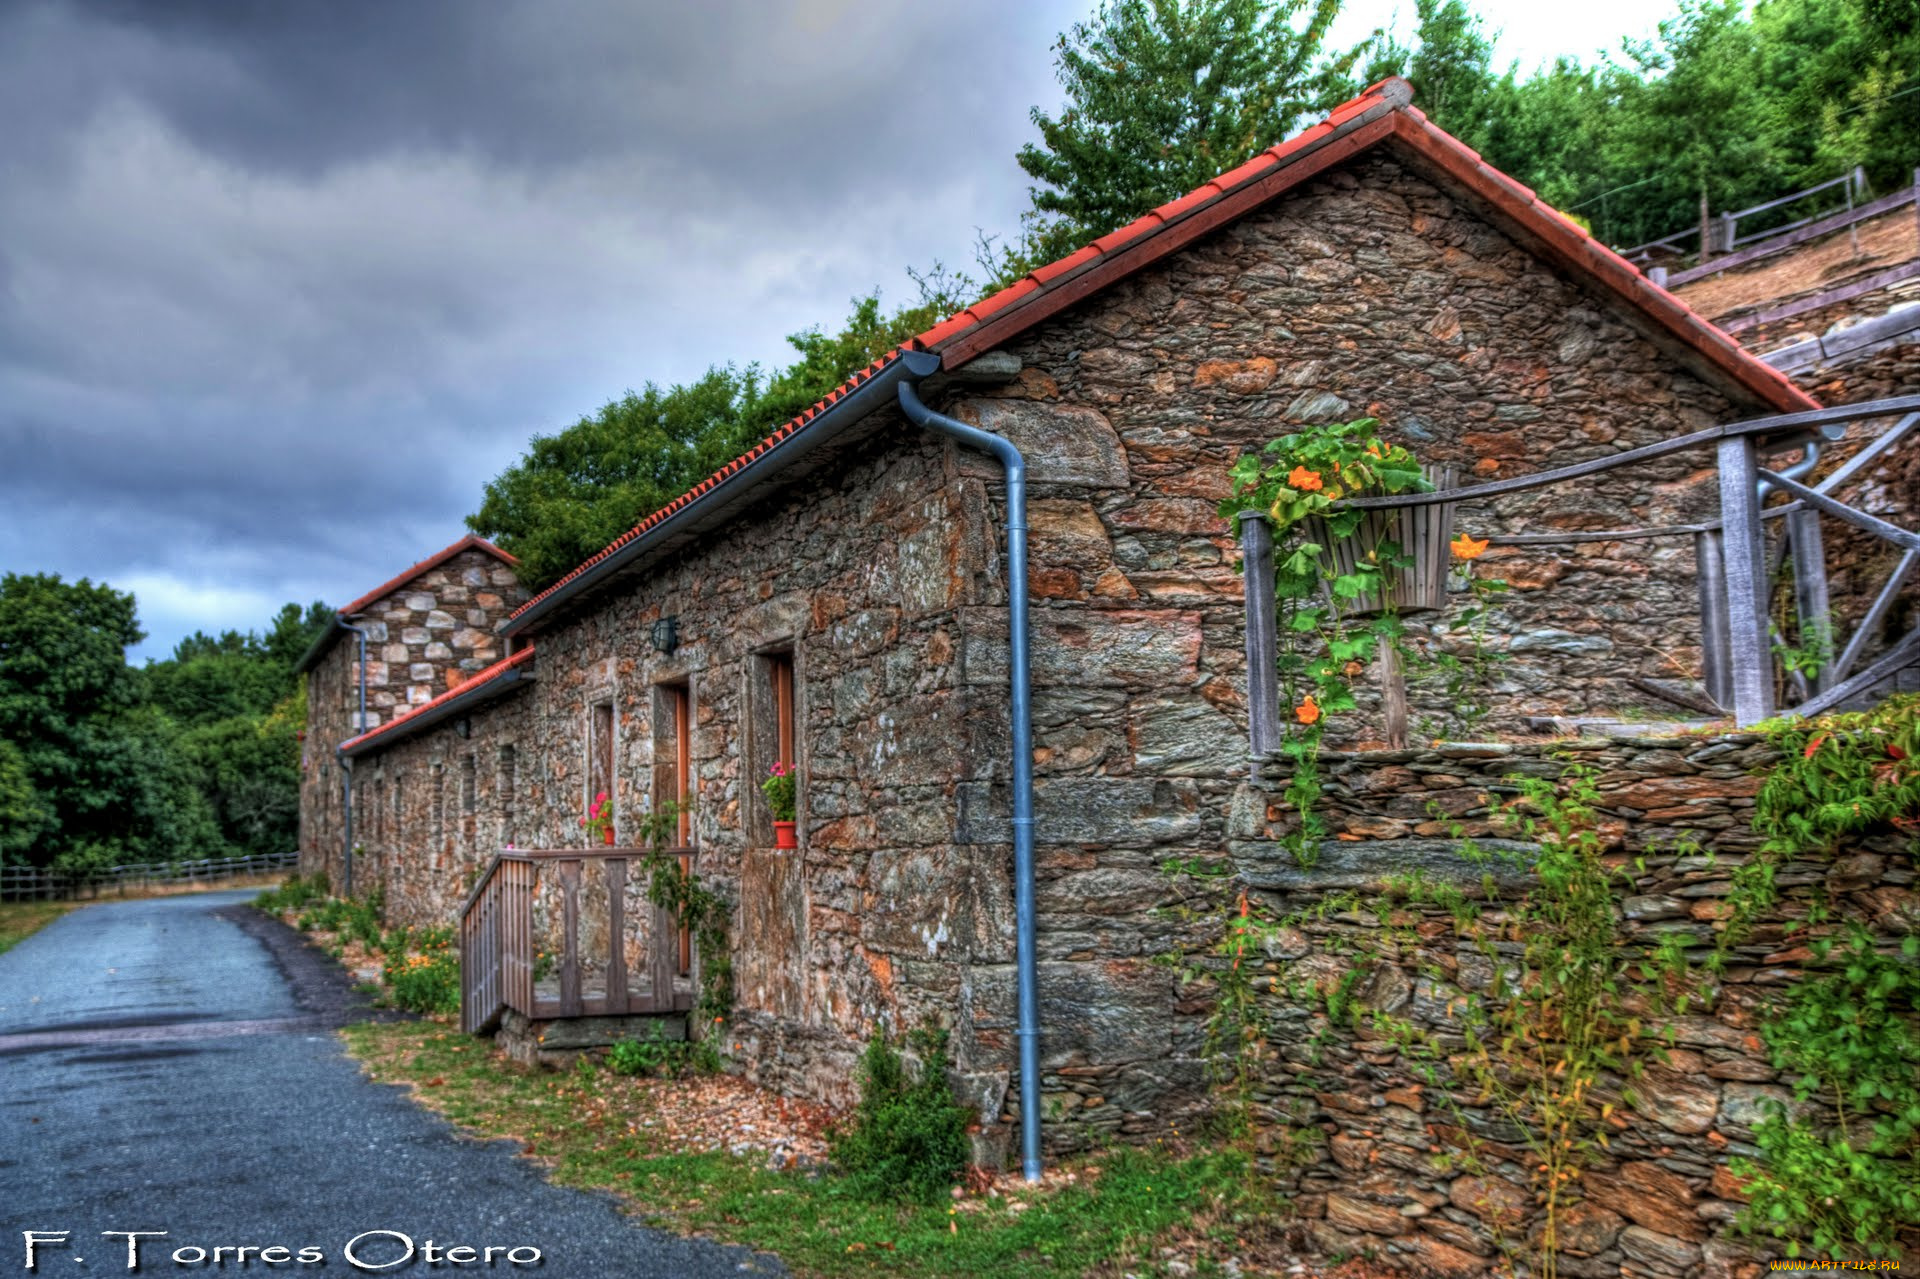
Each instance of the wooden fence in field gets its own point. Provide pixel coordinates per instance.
(43, 883)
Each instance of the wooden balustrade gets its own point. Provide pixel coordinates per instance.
(499, 942)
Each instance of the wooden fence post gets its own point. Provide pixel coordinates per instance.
(1710, 577)
(1263, 676)
(1810, 592)
(1744, 555)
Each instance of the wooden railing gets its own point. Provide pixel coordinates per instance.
(1736, 561)
(507, 947)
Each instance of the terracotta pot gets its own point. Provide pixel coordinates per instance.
(786, 835)
(607, 837)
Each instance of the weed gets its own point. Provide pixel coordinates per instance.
(907, 1139)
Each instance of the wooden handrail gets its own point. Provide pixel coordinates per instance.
(497, 942)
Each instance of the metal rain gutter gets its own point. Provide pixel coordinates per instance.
(346, 765)
(920, 365)
(874, 393)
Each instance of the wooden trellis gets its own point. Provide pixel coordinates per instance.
(1735, 564)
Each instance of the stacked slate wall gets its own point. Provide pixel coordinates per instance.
(1387, 1164)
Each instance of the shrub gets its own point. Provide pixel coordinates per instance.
(907, 1139)
(294, 894)
(658, 1055)
(426, 980)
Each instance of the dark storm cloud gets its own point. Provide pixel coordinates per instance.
(281, 284)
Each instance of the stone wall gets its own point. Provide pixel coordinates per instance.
(1389, 1168)
(423, 638)
(1370, 291)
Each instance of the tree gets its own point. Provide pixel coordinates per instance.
(1448, 65)
(1163, 95)
(577, 490)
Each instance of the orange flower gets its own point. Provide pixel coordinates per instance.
(1307, 711)
(1467, 549)
(1304, 480)
(1813, 746)
(1374, 449)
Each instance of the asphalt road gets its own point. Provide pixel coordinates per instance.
(170, 1065)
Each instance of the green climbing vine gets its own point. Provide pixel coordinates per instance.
(1848, 1034)
(705, 914)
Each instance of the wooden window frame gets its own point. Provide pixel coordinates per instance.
(603, 755)
(673, 777)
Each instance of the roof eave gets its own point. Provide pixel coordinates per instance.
(410, 725)
(719, 501)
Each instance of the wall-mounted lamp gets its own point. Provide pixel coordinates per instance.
(666, 634)
(464, 727)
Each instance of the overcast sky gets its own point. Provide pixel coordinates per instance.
(284, 282)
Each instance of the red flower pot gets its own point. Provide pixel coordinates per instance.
(608, 836)
(786, 835)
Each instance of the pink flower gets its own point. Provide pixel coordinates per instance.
(779, 769)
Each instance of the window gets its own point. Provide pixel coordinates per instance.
(507, 783)
(437, 802)
(599, 753)
(399, 805)
(379, 813)
(771, 733)
(469, 783)
(673, 775)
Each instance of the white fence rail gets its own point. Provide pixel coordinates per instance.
(41, 883)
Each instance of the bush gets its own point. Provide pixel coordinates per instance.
(294, 894)
(658, 1055)
(428, 979)
(907, 1139)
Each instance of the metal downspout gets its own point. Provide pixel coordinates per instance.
(346, 765)
(920, 365)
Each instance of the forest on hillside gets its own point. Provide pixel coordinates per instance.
(1729, 105)
(104, 763)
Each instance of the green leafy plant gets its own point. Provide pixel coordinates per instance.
(424, 975)
(598, 823)
(1848, 1037)
(1837, 776)
(655, 1054)
(696, 908)
(781, 792)
(1299, 481)
(907, 1138)
(295, 893)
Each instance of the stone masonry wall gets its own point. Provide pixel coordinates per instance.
(880, 916)
(428, 635)
(1367, 291)
(1389, 1168)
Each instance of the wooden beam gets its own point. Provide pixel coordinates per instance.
(1711, 580)
(1263, 676)
(1751, 427)
(1744, 556)
(1812, 231)
(1810, 597)
(1841, 511)
(1876, 613)
(1906, 652)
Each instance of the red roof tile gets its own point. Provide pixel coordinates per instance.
(470, 542)
(1381, 115)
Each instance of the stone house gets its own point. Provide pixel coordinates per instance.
(838, 599)
(424, 631)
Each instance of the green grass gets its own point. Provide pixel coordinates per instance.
(21, 920)
(1115, 1217)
